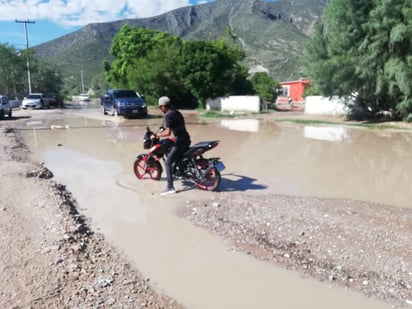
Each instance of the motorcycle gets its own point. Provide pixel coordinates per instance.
(203, 172)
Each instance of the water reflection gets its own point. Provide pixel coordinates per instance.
(323, 161)
(247, 125)
(332, 134)
(92, 180)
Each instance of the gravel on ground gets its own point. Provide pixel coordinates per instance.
(358, 245)
(50, 256)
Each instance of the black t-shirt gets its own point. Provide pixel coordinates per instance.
(175, 121)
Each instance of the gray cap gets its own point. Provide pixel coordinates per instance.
(164, 101)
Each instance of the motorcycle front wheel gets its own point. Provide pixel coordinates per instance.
(143, 169)
(210, 182)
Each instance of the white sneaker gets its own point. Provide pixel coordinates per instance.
(168, 191)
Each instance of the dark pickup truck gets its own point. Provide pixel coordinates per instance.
(125, 102)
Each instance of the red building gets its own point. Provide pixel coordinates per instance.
(291, 96)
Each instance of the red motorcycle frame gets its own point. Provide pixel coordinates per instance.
(203, 172)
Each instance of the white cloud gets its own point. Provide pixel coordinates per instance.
(82, 12)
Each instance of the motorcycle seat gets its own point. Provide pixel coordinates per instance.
(201, 147)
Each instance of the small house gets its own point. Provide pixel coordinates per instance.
(291, 95)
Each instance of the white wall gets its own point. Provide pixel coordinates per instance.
(325, 106)
(235, 104)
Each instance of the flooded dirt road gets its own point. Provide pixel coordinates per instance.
(93, 156)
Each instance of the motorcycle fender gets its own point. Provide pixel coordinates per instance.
(141, 156)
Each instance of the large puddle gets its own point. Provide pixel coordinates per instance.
(94, 159)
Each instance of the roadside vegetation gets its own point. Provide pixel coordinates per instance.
(45, 77)
(362, 50)
(155, 63)
(370, 125)
(216, 114)
(189, 71)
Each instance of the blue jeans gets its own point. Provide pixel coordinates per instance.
(175, 155)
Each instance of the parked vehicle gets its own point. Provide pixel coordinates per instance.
(34, 100)
(52, 100)
(5, 107)
(124, 102)
(203, 172)
(15, 103)
(84, 98)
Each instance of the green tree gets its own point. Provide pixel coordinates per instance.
(156, 75)
(209, 68)
(388, 50)
(12, 70)
(266, 87)
(131, 44)
(332, 54)
(99, 84)
(315, 58)
(46, 77)
(363, 49)
(145, 60)
(157, 64)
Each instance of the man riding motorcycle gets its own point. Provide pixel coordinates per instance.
(174, 122)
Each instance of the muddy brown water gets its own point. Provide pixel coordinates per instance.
(93, 156)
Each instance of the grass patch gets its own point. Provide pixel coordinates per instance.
(307, 121)
(219, 114)
(380, 126)
(368, 125)
(216, 114)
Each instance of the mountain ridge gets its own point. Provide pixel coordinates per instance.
(272, 34)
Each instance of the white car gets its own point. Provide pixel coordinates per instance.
(84, 98)
(34, 100)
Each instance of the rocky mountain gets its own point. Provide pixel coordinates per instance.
(273, 34)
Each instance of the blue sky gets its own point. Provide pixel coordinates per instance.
(54, 18)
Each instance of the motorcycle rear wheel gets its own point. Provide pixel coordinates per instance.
(142, 169)
(210, 182)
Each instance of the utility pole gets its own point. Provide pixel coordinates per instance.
(25, 22)
(82, 80)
